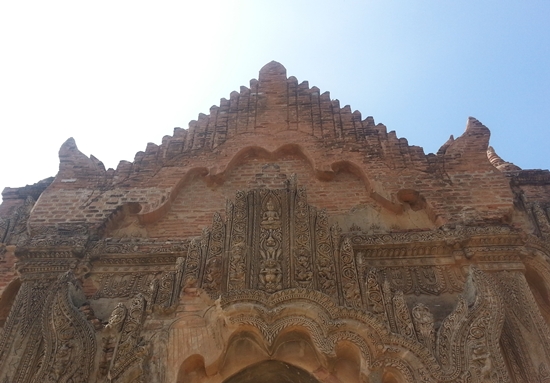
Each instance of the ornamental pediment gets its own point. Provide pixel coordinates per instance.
(270, 240)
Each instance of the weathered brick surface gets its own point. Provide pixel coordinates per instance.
(345, 162)
(409, 225)
(260, 121)
(197, 202)
(534, 184)
(12, 198)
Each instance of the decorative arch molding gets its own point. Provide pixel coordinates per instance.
(393, 370)
(217, 176)
(327, 323)
(250, 343)
(474, 325)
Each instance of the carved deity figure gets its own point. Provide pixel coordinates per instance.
(424, 324)
(374, 294)
(398, 278)
(326, 274)
(270, 217)
(270, 273)
(213, 275)
(237, 264)
(303, 273)
(352, 293)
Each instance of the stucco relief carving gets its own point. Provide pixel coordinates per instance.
(431, 268)
(13, 229)
(272, 240)
(124, 347)
(271, 252)
(475, 324)
(58, 344)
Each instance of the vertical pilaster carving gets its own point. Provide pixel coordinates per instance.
(325, 262)
(388, 306)
(69, 340)
(110, 338)
(21, 338)
(447, 333)
(523, 321)
(192, 263)
(483, 329)
(213, 269)
(541, 219)
(350, 282)
(513, 348)
(164, 292)
(238, 238)
(303, 262)
(270, 276)
(375, 299)
(335, 236)
(403, 319)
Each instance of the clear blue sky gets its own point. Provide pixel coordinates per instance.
(118, 74)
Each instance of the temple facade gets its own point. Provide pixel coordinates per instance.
(281, 238)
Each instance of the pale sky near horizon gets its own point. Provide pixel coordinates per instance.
(116, 75)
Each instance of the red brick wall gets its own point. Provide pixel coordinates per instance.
(344, 161)
(196, 202)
